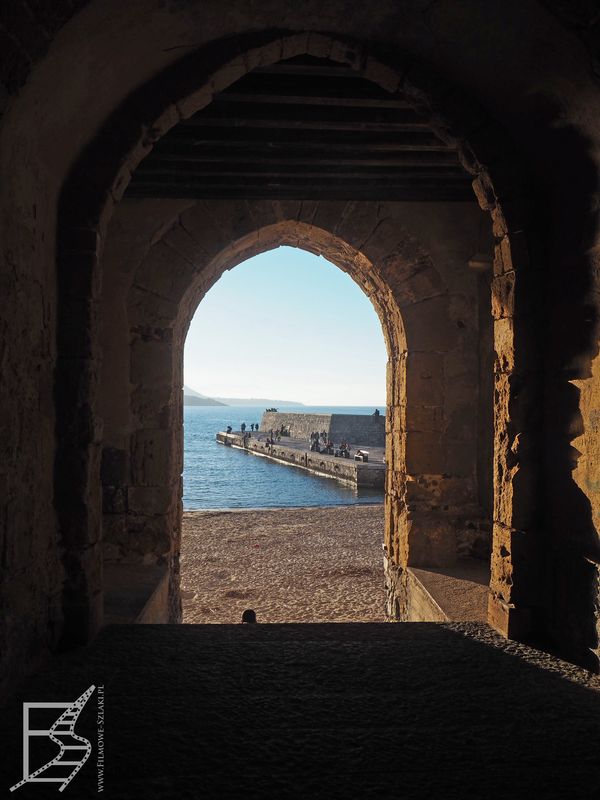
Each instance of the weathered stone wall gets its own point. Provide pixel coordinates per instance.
(358, 429)
(300, 425)
(363, 429)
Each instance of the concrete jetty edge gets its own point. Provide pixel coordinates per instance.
(370, 475)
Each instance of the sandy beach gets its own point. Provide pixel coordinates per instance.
(289, 565)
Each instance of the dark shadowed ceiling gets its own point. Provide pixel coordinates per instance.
(303, 129)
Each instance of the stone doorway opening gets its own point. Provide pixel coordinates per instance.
(384, 232)
(434, 398)
(262, 525)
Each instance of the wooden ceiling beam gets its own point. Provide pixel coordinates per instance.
(306, 124)
(286, 170)
(194, 131)
(305, 129)
(300, 181)
(304, 193)
(222, 113)
(236, 139)
(323, 158)
(313, 99)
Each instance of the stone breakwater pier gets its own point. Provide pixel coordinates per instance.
(294, 450)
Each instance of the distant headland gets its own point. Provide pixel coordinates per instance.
(257, 401)
(194, 398)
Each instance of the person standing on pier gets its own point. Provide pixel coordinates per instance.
(243, 427)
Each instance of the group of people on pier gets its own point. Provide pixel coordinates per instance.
(275, 436)
(321, 443)
(243, 426)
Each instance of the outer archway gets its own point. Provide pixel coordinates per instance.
(547, 535)
(512, 601)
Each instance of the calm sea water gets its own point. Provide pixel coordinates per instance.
(215, 476)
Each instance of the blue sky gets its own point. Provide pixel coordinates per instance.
(287, 325)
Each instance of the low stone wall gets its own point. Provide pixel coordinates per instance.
(366, 476)
(136, 593)
(359, 429)
(363, 429)
(300, 425)
(407, 600)
(450, 594)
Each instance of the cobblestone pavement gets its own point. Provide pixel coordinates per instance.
(349, 711)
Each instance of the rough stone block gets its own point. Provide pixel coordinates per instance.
(151, 500)
(114, 469)
(425, 418)
(460, 456)
(319, 45)
(153, 407)
(295, 45)
(152, 457)
(151, 361)
(143, 305)
(504, 345)
(165, 271)
(424, 380)
(516, 501)
(382, 75)
(503, 295)
(423, 283)
(431, 541)
(114, 500)
(150, 538)
(350, 53)
(264, 55)
(424, 453)
(423, 492)
(484, 192)
(428, 325)
(210, 225)
(194, 102)
(230, 73)
(114, 529)
(358, 223)
(328, 216)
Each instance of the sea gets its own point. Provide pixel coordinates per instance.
(218, 477)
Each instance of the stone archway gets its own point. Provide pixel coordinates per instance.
(429, 327)
(129, 57)
(515, 587)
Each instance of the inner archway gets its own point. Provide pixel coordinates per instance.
(431, 452)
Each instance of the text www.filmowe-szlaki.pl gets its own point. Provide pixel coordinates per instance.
(100, 723)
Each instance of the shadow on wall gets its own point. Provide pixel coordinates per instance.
(571, 346)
